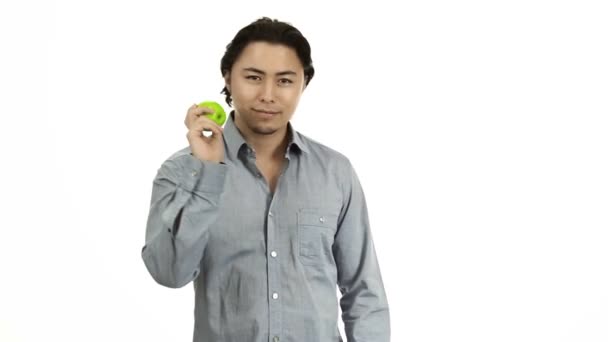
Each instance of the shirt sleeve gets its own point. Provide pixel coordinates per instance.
(185, 200)
(364, 304)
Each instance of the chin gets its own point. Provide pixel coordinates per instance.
(260, 126)
(264, 130)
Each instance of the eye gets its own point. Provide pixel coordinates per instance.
(285, 81)
(253, 77)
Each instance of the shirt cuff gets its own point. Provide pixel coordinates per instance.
(202, 176)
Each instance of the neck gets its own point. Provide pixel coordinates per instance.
(266, 146)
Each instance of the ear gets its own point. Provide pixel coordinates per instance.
(227, 81)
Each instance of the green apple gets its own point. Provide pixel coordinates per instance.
(218, 115)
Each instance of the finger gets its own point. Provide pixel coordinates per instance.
(190, 116)
(216, 133)
(210, 133)
(195, 113)
(204, 123)
(198, 110)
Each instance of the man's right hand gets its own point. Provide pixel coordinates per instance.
(204, 148)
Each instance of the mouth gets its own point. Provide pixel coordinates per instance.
(265, 112)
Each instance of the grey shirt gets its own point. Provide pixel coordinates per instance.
(264, 265)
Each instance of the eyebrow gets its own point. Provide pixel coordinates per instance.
(280, 73)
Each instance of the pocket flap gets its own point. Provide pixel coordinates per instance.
(317, 218)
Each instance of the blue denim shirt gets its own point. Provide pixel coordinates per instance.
(264, 265)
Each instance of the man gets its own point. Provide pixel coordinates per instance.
(265, 221)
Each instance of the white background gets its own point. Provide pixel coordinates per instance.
(478, 129)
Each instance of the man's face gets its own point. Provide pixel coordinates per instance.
(265, 82)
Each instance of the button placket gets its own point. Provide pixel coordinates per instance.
(274, 283)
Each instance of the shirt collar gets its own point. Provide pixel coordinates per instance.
(234, 141)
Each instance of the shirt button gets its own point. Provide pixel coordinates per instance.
(321, 219)
(275, 295)
(270, 213)
(275, 339)
(194, 173)
(273, 254)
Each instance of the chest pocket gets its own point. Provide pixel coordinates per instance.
(316, 230)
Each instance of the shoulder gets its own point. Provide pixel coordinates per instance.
(322, 153)
(328, 162)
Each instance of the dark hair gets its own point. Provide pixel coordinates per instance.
(270, 31)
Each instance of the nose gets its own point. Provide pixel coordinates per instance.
(267, 92)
